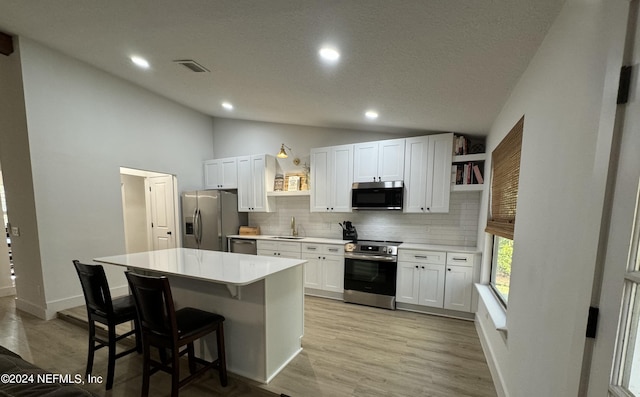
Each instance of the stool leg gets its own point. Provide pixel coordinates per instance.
(138, 335)
(111, 366)
(175, 371)
(222, 357)
(92, 347)
(191, 355)
(146, 366)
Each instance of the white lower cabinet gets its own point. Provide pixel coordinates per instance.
(420, 278)
(458, 288)
(436, 279)
(324, 269)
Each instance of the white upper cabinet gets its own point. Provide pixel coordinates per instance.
(427, 179)
(379, 161)
(331, 179)
(255, 177)
(221, 173)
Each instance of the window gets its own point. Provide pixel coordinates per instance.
(505, 177)
(501, 266)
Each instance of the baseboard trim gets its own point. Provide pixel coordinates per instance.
(496, 374)
(31, 308)
(7, 291)
(53, 307)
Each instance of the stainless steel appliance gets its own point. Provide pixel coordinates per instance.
(208, 216)
(370, 269)
(377, 195)
(243, 246)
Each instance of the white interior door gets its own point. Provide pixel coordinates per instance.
(615, 365)
(163, 230)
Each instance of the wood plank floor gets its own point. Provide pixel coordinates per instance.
(352, 350)
(349, 350)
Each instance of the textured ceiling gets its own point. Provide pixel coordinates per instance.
(430, 65)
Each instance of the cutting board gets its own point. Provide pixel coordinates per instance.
(249, 230)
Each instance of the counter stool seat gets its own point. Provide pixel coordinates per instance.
(164, 327)
(110, 312)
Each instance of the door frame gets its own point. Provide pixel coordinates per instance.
(176, 202)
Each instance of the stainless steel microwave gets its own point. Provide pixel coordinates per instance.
(377, 195)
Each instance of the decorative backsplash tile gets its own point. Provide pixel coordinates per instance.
(459, 227)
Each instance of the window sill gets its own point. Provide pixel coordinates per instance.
(496, 311)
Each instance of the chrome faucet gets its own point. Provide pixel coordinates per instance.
(294, 232)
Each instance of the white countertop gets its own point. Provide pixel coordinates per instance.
(432, 247)
(220, 267)
(299, 239)
(320, 240)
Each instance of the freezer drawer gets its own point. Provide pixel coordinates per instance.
(243, 246)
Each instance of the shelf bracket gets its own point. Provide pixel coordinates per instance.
(234, 291)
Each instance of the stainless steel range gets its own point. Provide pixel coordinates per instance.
(370, 269)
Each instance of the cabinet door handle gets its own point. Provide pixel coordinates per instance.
(417, 267)
(423, 267)
(449, 269)
(333, 249)
(459, 259)
(420, 256)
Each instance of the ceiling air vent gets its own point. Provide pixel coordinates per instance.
(192, 65)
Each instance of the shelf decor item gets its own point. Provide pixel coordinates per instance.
(278, 183)
(293, 183)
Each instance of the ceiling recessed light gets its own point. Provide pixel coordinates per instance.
(227, 105)
(329, 54)
(141, 62)
(371, 114)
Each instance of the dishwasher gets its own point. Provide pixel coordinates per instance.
(243, 246)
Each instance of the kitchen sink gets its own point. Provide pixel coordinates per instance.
(288, 237)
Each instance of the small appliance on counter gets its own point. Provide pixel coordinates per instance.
(349, 231)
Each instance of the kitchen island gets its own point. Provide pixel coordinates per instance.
(260, 297)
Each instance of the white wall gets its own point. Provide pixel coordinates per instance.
(557, 224)
(83, 125)
(16, 169)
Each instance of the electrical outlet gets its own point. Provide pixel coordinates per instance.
(15, 231)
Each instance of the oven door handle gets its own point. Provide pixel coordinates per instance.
(374, 258)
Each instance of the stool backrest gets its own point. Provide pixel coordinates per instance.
(154, 304)
(95, 288)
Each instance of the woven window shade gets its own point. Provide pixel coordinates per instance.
(505, 175)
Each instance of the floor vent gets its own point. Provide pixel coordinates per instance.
(192, 65)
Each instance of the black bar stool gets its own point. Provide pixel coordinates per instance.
(101, 308)
(165, 328)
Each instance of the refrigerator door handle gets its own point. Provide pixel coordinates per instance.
(199, 228)
(195, 226)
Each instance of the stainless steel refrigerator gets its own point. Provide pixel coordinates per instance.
(208, 217)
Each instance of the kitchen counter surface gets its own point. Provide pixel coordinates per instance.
(300, 239)
(221, 267)
(432, 247)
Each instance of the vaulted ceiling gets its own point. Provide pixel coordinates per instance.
(429, 65)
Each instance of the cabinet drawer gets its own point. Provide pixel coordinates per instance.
(434, 257)
(267, 245)
(326, 249)
(460, 259)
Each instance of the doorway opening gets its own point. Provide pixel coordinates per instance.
(150, 210)
(7, 272)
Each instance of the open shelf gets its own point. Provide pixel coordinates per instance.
(289, 194)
